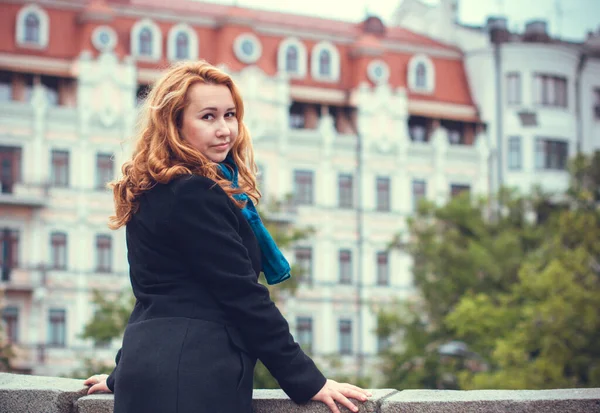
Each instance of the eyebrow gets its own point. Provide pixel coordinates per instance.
(216, 109)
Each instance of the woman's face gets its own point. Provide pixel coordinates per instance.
(209, 121)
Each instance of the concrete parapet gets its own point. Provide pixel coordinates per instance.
(36, 394)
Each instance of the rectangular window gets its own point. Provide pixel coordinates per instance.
(514, 153)
(550, 90)
(58, 246)
(303, 187)
(6, 92)
(57, 328)
(419, 190)
(9, 254)
(513, 88)
(304, 333)
(551, 154)
(345, 191)
(10, 168)
(10, 320)
(383, 269)
(59, 175)
(597, 104)
(345, 264)
(104, 170)
(103, 253)
(304, 261)
(457, 189)
(345, 333)
(383, 194)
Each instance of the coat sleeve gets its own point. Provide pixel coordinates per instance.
(205, 228)
(110, 381)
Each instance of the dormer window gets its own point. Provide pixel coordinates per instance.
(182, 43)
(146, 40)
(291, 58)
(32, 27)
(183, 46)
(325, 65)
(421, 75)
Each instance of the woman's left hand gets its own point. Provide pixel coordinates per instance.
(97, 383)
(333, 392)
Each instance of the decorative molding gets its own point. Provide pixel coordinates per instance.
(104, 38)
(451, 111)
(317, 94)
(38, 64)
(193, 50)
(378, 72)
(247, 48)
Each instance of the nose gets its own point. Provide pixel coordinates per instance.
(222, 129)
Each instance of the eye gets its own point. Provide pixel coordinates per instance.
(230, 115)
(208, 116)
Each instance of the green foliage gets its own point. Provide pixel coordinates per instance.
(523, 294)
(6, 350)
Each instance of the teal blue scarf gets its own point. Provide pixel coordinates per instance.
(274, 265)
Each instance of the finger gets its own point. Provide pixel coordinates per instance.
(91, 380)
(355, 394)
(98, 388)
(343, 400)
(332, 406)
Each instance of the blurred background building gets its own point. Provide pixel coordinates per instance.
(355, 121)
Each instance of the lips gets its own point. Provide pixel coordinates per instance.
(222, 146)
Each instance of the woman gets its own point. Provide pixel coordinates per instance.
(195, 248)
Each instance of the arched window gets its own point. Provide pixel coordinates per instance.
(324, 63)
(421, 75)
(145, 42)
(291, 59)
(182, 46)
(32, 28)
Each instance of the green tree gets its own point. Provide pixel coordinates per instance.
(546, 328)
(6, 350)
(521, 293)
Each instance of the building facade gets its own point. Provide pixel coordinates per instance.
(539, 94)
(356, 122)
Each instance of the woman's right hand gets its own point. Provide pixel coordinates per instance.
(333, 392)
(98, 383)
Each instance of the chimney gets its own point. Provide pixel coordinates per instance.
(536, 31)
(497, 27)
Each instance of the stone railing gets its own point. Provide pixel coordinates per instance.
(36, 394)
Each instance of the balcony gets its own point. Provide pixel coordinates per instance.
(21, 279)
(23, 194)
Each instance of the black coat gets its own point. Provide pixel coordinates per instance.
(201, 317)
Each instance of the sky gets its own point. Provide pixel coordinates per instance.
(575, 19)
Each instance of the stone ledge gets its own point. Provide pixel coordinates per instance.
(22, 393)
(493, 401)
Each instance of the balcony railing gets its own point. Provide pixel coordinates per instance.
(23, 194)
